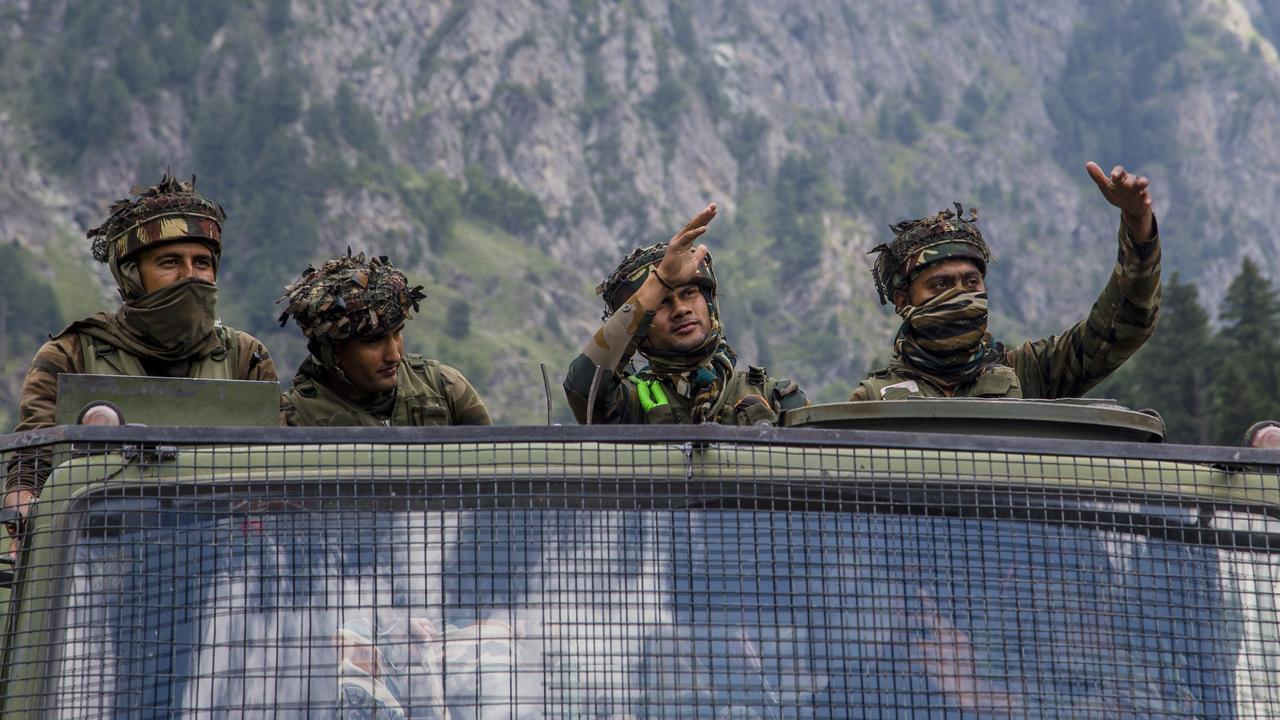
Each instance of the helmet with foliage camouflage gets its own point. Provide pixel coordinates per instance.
(349, 297)
(166, 213)
(627, 278)
(920, 243)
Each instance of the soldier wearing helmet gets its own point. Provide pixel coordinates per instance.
(352, 312)
(935, 270)
(661, 303)
(164, 248)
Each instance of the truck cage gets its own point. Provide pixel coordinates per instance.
(639, 572)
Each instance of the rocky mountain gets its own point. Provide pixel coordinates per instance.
(509, 152)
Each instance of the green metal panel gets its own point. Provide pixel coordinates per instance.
(556, 472)
(1073, 419)
(172, 401)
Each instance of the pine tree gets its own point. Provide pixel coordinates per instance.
(1173, 373)
(1246, 388)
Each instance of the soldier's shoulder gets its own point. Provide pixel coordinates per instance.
(432, 371)
(242, 339)
(868, 388)
(450, 374)
(60, 353)
(783, 393)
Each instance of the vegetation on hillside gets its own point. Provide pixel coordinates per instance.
(224, 85)
(1209, 386)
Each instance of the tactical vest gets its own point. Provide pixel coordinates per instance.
(419, 400)
(730, 409)
(999, 381)
(101, 358)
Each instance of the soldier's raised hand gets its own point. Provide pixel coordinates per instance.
(1129, 193)
(681, 262)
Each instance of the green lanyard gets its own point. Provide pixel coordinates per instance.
(650, 392)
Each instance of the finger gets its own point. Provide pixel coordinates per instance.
(1141, 183)
(690, 235)
(701, 219)
(680, 243)
(1117, 172)
(699, 255)
(1095, 173)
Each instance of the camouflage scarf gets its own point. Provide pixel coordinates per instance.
(945, 340)
(699, 374)
(172, 324)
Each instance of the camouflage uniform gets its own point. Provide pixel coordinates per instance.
(106, 344)
(350, 298)
(651, 396)
(1069, 365)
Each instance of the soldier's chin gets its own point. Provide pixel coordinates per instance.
(683, 345)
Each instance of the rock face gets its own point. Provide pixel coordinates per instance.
(812, 124)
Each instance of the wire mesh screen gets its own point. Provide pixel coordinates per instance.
(627, 579)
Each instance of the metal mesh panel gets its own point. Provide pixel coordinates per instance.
(610, 574)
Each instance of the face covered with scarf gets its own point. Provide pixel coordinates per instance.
(945, 338)
(163, 250)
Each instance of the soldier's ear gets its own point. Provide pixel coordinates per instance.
(900, 299)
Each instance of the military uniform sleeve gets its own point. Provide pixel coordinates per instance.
(465, 405)
(255, 359)
(1121, 320)
(288, 414)
(28, 468)
(610, 348)
(40, 388)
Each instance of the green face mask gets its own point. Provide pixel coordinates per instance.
(946, 338)
(173, 323)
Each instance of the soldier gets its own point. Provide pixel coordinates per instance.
(164, 248)
(352, 312)
(661, 302)
(935, 269)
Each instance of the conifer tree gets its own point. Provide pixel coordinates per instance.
(1245, 390)
(1173, 372)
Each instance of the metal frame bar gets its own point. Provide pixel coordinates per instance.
(645, 434)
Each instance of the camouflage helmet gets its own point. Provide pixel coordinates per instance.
(920, 243)
(169, 212)
(350, 297)
(627, 278)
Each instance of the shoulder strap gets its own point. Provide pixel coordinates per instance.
(421, 398)
(885, 385)
(101, 358)
(1000, 381)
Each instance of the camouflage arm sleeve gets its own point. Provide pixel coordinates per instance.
(610, 348)
(465, 404)
(1122, 319)
(40, 388)
(28, 468)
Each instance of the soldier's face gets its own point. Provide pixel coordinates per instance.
(682, 320)
(939, 278)
(163, 266)
(372, 363)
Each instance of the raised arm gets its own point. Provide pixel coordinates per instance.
(1124, 315)
(612, 346)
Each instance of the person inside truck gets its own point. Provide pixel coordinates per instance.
(352, 312)
(934, 270)
(164, 248)
(660, 302)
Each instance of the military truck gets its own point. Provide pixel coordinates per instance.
(949, 559)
